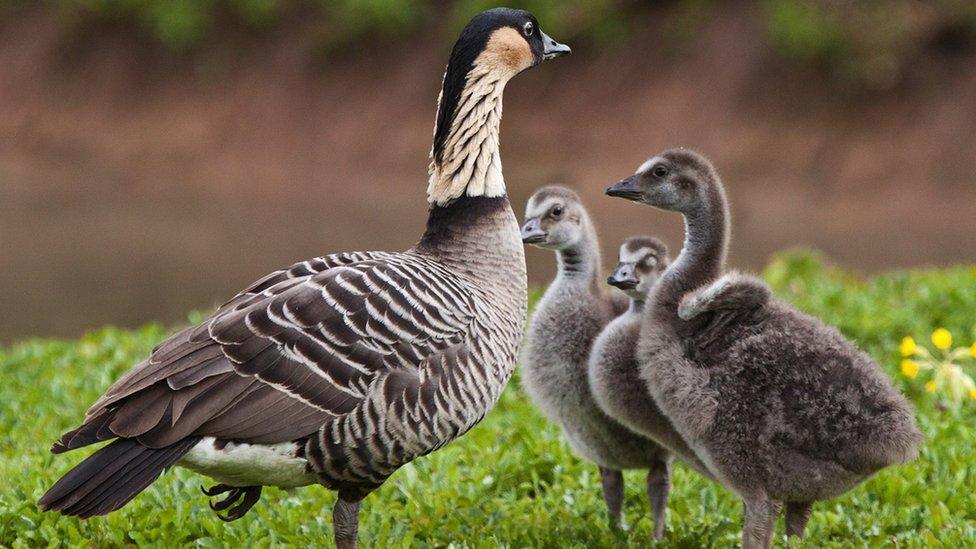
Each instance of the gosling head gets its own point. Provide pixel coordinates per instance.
(677, 180)
(554, 218)
(642, 260)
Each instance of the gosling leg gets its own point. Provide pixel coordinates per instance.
(613, 495)
(774, 510)
(658, 488)
(797, 516)
(760, 522)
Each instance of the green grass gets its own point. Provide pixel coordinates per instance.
(512, 481)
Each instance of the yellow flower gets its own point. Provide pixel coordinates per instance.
(910, 368)
(972, 351)
(930, 386)
(908, 346)
(942, 338)
(972, 394)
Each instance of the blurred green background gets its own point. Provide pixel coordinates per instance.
(158, 155)
(856, 41)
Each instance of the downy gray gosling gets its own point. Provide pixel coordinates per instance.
(780, 407)
(614, 374)
(574, 310)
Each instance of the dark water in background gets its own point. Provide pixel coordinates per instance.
(115, 256)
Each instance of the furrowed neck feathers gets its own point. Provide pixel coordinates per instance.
(465, 159)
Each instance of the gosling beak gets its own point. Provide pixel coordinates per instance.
(623, 277)
(552, 49)
(532, 233)
(627, 189)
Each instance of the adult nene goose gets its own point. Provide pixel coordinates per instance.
(341, 369)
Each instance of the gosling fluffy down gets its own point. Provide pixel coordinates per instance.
(780, 407)
(573, 311)
(613, 371)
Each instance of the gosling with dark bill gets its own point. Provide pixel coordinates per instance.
(782, 408)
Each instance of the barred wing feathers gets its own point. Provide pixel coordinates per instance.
(350, 336)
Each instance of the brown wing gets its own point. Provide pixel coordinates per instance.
(278, 361)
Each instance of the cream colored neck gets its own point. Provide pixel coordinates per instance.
(470, 162)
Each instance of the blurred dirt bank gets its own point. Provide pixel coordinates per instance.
(135, 187)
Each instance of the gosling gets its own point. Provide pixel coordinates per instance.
(779, 406)
(613, 370)
(573, 311)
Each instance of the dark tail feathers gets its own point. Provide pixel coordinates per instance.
(111, 477)
(92, 431)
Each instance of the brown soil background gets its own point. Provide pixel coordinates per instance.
(135, 187)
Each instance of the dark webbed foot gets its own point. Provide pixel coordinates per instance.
(250, 495)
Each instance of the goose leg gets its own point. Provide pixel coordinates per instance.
(760, 521)
(613, 495)
(345, 521)
(797, 515)
(658, 488)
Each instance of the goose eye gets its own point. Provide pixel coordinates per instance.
(660, 170)
(557, 212)
(528, 29)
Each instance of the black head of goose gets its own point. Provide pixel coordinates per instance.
(340, 369)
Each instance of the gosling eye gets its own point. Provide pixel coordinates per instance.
(528, 28)
(660, 171)
(556, 212)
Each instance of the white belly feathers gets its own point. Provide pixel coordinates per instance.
(249, 464)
